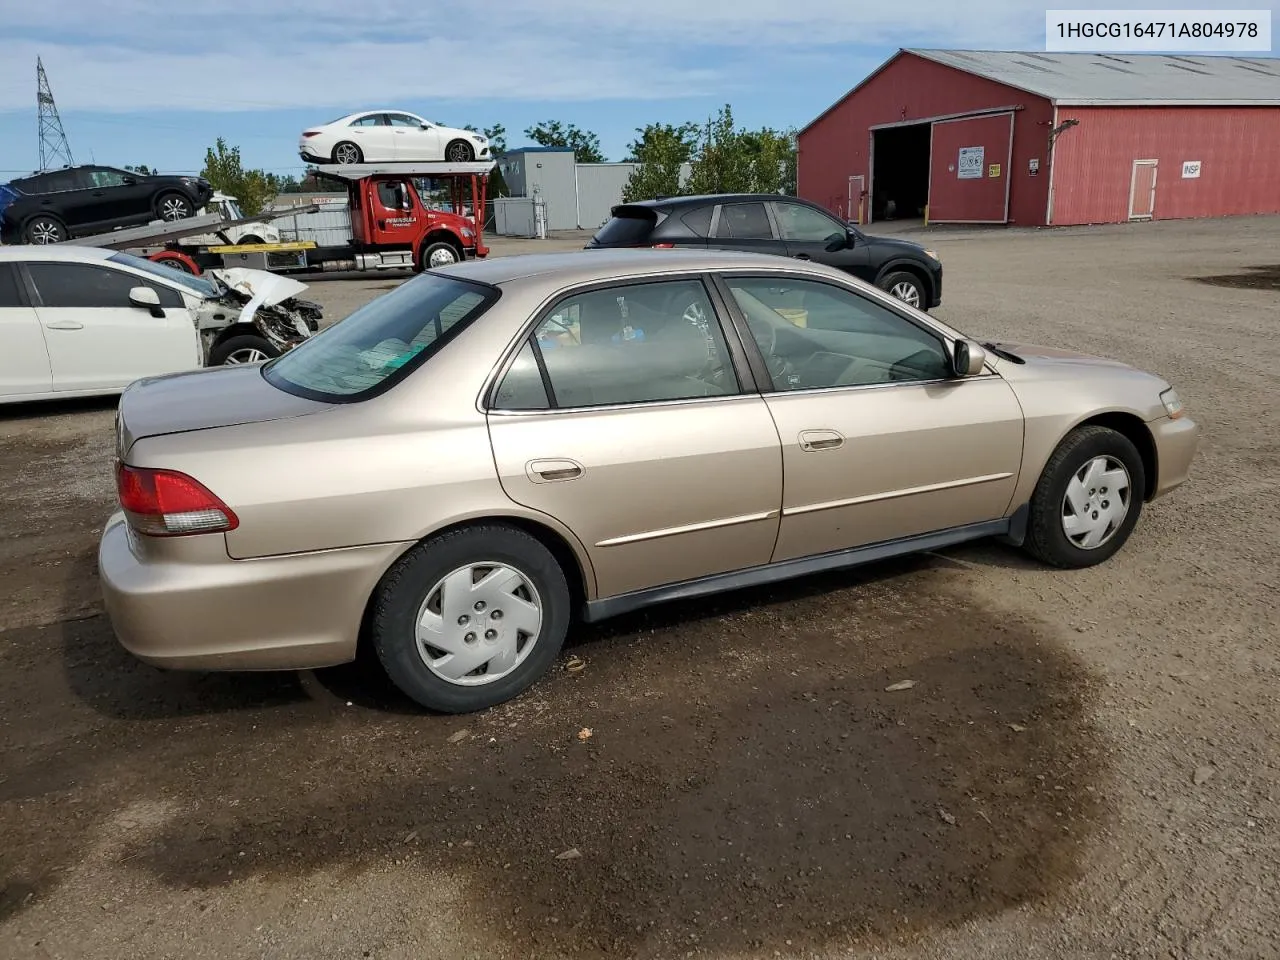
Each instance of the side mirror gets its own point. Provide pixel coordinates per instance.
(967, 358)
(144, 298)
(839, 241)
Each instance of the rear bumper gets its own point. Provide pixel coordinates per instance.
(1176, 444)
(184, 604)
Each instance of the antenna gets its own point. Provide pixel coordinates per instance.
(53, 139)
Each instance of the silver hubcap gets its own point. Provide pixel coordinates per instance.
(44, 233)
(347, 153)
(1096, 502)
(906, 292)
(458, 153)
(248, 355)
(173, 209)
(478, 624)
(441, 257)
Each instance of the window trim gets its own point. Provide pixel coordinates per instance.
(739, 358)
(36, 301)
(769, 389)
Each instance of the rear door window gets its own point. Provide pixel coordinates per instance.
(10, 296)
(744, 221)
(627, 227)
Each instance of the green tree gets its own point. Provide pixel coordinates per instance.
(730, 160)
(497, 135)
(660, 150)
(553, 133)
(254, 189)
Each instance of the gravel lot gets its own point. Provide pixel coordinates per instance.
(1086, 766)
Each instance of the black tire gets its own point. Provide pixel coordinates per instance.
(249, 239)
(900, 277)
(44, 230)
(431, 249)
(339, 151)
(405, 587)
(176, 263)
(1047, 541)
(173, 206)
(225, 353)
(459, 151)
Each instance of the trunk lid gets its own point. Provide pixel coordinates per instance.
(202, 400)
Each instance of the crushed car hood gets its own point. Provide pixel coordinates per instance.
(260, 286)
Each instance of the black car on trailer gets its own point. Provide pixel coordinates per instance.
(57, 205)
(785, 226)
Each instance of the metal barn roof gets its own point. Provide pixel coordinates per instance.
(1124, 79)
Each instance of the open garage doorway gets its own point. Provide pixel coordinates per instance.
(900, 171)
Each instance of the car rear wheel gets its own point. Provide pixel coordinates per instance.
(1088, 499)
(347, 152)
(245, 348)
(174, 206)
(44, 230)
(471, 618)
(906, 287)
(459, 151)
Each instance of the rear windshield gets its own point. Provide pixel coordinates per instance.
(627, 226)
(382, 342)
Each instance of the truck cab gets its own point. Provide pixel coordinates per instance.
(388, 214)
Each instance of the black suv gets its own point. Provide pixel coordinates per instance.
(786, 226)
(72, 202)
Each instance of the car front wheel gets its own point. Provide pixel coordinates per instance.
(174, 206)
(470, 618)
(906, 287)
(245, 348)
(1088, 499)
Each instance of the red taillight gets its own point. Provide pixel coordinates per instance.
(166, 503)
(663, 246)
(311, 133)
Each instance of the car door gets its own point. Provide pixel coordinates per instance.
(24, 361)
(397, 214)
(879, 441)
(626, 416)
(113, 199)
(411, 142)
(810, 234)
(744, 225)
(97, 340)
(372, 134)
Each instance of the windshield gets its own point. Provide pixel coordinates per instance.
(233, 210)
(382, 342)
(197, 285)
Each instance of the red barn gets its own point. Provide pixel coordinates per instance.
(972, 136)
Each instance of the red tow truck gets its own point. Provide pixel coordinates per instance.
(392, 228)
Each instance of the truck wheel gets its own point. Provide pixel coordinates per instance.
(245, 348)
(439, 254)
(174, 206)
(44, 230)
(347, 152)
(459, 151)
(249, 239)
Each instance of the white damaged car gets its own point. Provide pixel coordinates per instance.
(80, 321)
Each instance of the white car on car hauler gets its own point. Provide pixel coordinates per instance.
(81, 321)
(389, 136)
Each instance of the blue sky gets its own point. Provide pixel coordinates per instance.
(154, 82)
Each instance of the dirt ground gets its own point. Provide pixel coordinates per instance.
(1086, 766)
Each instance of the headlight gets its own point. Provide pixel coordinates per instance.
(1171, 403)
(932, 255)
(468, 232)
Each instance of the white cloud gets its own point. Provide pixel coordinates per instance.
(129, 55)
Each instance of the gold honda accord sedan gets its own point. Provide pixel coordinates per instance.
(466, 464)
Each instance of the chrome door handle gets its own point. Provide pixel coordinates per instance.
(549, 471)
(65, 325)
(811, 441)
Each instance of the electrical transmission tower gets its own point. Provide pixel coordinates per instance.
(53, 139)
